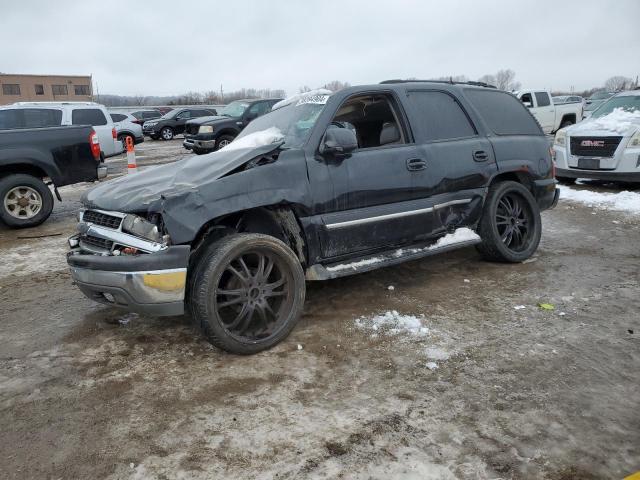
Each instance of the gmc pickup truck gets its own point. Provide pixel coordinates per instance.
(31, 158)
(325, 185)
(550, 116)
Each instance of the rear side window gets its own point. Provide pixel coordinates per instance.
(542, 99)
(503, 113)
(88, 116)
(118, 117)
(30, 118)
(439, 115)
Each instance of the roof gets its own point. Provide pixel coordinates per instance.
(451, 82)
(21, 104)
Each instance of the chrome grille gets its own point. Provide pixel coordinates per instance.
(594, 146)
(97, 242)
(102, 219)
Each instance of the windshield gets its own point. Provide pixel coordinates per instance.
(600, 96)
(171, 113)
(294, 121)
(629, 103)
(234, 109)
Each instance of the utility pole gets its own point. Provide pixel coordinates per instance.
(221, 95)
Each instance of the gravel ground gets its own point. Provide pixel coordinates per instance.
(480, 389)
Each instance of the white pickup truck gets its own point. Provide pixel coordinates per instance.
(551, 117)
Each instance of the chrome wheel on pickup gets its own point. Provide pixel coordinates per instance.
(247, 292)
(26, 201)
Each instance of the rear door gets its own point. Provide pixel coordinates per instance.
(458, 161)
(103, 127)
(180, 121)
(545, 111)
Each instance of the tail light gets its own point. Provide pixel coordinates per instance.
(113, 133)
(95, 145)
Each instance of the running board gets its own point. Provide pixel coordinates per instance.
(382, 259)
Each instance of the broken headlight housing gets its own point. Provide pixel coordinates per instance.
(141, 227)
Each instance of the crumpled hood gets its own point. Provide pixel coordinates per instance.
(148, 189)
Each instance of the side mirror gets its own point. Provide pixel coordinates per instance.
(339, 141)
(528, 104)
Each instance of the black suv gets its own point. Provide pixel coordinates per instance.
(172, 123)
(323, 186)
(208, 134)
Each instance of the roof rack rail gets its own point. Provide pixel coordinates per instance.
(449, 82)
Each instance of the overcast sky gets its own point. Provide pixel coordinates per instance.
(170, 47)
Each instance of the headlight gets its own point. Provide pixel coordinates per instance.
(205, 129)
(561, 138)
(140, 227)
(635, 141)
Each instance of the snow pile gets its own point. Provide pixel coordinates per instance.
(319, 95)
(459, 236)
(394, 323)
(355, 265)
(624, 201)
(618, 121)
(256, 139)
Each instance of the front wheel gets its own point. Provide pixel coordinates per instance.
(26, 201)
(167, 133)
(247, 293)
(510, 226)
(223, 141)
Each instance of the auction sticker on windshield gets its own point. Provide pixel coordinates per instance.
(320, 99)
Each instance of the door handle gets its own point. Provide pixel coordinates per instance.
(415, 164)
(480, 156)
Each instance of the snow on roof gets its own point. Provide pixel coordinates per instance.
(319, 95)
(618, 121)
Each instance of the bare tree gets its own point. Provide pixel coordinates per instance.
(336, 85)
(488, 79)
(617, 83)
(505, 80)
(304, 89)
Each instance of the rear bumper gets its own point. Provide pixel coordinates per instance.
(152, 284)
(546, 193)
(101, 172)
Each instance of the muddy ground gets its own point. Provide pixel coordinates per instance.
(490, 391)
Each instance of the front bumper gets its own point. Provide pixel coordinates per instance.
(607, 176)
(623, 166)
(152, 284)
(190, 142)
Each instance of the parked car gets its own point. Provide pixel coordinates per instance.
(142, 116)
(594, 101)
(551, 117)
(173, 122)
(69, 113)
(604, 147)
(561, 99)
(127, 127)
(207, 134)
(30, 156)
(325, 185)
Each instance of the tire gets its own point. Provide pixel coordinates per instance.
(25, 201)
(123, 139)
(509, 207)
(154, 137)
(566, 123)
(566, 180)
(167, 133)
(223, 141)
(238, 321)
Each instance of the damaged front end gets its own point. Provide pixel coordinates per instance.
(126, 260)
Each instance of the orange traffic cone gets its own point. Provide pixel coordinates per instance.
(132, 167)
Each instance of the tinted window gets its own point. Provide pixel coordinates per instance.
(542, 99)
(151, 114)
(502, 112)
(118, 117)
(30, 118)
(82, 90)
(259, 108)
(59, 90)
(439, 116)
(10, 89)
(88, 116)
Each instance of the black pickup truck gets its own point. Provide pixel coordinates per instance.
(207, 134)
(323, 186)
(29, 157)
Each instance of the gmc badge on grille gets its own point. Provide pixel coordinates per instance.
(592, 143)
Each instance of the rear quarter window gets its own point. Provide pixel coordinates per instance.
(88, 116)
(118, 117)
(439, 116)
(503, 113)
(30, 118)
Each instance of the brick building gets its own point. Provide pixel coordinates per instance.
(45, 88)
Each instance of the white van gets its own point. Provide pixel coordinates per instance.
(51, 114)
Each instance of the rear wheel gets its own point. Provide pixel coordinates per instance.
(566, 123)
(123, 138)
(26, 201)
(247, 293)
(223, 141)
(167, 133)
(510, 226)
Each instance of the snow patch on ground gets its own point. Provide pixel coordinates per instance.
(624, 201)
(618, 121)
(40, 256)
(256, 139)
(394, 323)
(459, 236)
(355, 265)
